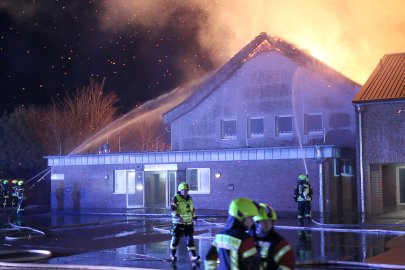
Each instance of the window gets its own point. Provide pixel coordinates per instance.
(313, 124)
(255, 127)
(347, 167)
(120, 181)
(343, 167)
(284, 125)
(198, 180)
(228, 129)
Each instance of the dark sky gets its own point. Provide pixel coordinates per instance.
(148, 47)
(51, 47)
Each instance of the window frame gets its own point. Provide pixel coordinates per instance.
(346, 167)
(313, 132)
(117, 178)
(223, 135)
(199, 180)
(249, 127)
(277, 129)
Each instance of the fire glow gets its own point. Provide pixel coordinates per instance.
(348, 35)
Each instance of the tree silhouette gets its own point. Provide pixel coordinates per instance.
(79, 116)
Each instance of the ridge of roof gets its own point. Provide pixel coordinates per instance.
(263, 42)
(386, 82)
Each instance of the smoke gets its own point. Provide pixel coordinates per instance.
(349, 35)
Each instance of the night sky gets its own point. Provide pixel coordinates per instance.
(145, 48)
(48, 48)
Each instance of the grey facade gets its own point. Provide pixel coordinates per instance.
(87, 181)
(269, 114)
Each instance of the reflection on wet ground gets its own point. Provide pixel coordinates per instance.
(136, 239)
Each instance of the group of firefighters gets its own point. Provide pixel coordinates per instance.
(12, 194)
(249, 240)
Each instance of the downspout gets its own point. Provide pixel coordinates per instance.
(319, 157)
(320, 193)
(362, 206)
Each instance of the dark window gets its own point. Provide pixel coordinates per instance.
(313, 124)
(228, 129)
(199, 180)
(284, 125)
(347, 167)
(255, 127)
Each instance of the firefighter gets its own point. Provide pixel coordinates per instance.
(6, 194)
(275, 252)
(21, 197)
(183, 218)
(1, 191)
(233, 246)
(14, 199)
(304, 247)
(303, 197)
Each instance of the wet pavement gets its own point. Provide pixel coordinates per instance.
(116, 239)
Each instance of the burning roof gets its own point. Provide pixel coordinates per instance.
(261, 43)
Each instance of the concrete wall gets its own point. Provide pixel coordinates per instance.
(267, 86)
(263, 181)
(87, 187)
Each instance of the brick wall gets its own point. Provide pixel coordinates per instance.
(383, 130)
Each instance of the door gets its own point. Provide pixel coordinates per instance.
(135, 188)
(401, 185)
(172, 187)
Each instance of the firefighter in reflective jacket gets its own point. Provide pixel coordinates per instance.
(14, 198)
(1, 191)
(6, 194)
(275, 252)
(21, 197)
(234, 247)
(303, 197)
(183, 217)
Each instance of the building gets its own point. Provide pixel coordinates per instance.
(380, 118)
(270, 113)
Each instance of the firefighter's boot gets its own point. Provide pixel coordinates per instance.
(193, 256)
(307, 221)
(301, 221)
(173, 256)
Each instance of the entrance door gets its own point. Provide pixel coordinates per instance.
(155, 189)
(172, 186)
(160, 185)
(135, 187)
(401, 185)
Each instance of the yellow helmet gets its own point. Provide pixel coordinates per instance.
(303, 177)
(182, 186)
(241, 208)
(15, 181)
(5, 181)
(21, 182)
(265, 212)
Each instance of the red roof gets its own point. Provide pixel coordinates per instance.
(387, 82)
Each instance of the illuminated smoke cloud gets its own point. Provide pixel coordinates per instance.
(349, 35)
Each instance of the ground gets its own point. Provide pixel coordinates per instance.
(140, 239)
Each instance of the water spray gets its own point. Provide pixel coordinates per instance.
(296, 120)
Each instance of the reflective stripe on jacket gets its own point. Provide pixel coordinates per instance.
(303, 192)
(183, 207)
(275, 252)
(234, 252)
